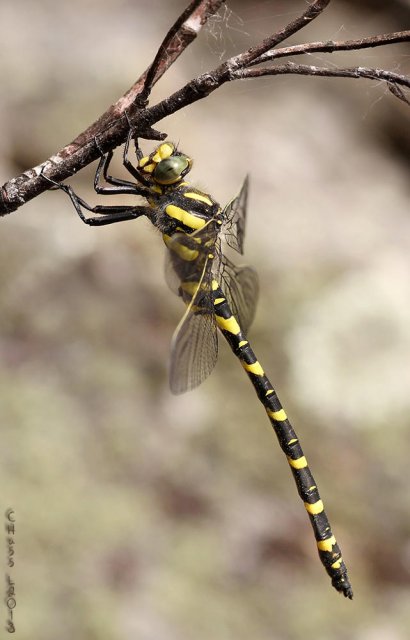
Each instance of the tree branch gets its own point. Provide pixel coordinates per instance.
(332, 46)
(309, 70)
(112, 127)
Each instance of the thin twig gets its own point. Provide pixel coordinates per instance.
(331, 46)
(399, 93)
(309, 70)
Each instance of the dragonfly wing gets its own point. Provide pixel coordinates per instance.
(194, 348)
(234, 215)
(171, 277)
(241, 288)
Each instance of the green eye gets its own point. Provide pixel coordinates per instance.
(169, 170)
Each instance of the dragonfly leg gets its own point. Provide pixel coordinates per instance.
(107, 214)
(120, 186)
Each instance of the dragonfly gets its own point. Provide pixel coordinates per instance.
(219, 296)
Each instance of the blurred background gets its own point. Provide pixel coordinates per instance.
(143, 515)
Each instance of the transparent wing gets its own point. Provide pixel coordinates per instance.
(194, 348)
(234, 215)
(241, 288)
(171, 278)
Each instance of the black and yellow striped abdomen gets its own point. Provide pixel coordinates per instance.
(328, 548)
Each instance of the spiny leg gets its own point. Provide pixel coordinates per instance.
(107, 214)
(120, 186)
(329, 551)
(127, 162)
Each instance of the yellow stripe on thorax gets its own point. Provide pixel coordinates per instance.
(188, 219)
(198, 196)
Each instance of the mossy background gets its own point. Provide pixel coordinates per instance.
(143, 515)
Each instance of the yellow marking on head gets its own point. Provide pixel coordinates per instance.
(299, 463)
(337, 564)
(164, 151)
(279, 416)
(143, 161)
(149, 168)
(315, 508)
(243, 343)
(198, 196)
(190, 220)
(253, 368)
(326, 545)
(228, 324)
(293, 441)
(183, 252)
(156, 188)
(219, 300)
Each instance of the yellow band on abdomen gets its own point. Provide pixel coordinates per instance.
(279, 416)
(299, 463)
(253, 368)
(315, 508)
(326, 545)
(228, 324)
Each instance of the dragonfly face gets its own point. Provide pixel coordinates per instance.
(165, 166)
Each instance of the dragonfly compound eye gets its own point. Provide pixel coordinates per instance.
(171, 169)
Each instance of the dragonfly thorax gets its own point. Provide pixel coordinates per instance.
(184, 209)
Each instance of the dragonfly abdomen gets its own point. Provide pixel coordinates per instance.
(328, 548)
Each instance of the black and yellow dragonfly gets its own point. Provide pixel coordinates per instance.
(217, 293)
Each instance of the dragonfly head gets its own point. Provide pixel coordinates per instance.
(165, 166)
